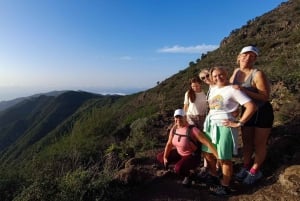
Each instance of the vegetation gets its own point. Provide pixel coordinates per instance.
(69, 147)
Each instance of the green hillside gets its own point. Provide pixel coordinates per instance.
(69, 147)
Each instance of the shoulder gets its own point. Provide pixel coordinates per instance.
(235, 71)
(258, 74)
(172, 131)
(186, 94)
(194, 129)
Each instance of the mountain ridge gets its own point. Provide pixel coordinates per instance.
(78, 156)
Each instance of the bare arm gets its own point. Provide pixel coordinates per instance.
(185, 107)
(168, 146)
(186, 102)
(205, 141)
(250, 109)
(262, 85)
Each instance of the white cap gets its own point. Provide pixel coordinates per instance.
(179, 112)
(249, 49)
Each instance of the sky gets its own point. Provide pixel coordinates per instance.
(110, 46)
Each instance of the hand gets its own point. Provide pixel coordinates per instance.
(239, 87)
(229, 123)
(166, 163)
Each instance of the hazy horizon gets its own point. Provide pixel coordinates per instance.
(11, 93)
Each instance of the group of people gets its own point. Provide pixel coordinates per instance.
(240, 101)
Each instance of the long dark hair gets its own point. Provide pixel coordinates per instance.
(191, 92)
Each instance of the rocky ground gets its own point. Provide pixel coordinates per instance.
(157, 184)
(281, 179)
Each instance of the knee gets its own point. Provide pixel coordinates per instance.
(177, 169)
(210, 157)
(226, 162)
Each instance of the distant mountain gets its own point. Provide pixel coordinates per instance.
(28, 121)
(6, 104)
(70, 146)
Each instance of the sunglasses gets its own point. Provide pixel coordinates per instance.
(204, 77)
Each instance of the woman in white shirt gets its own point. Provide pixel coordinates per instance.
(195, 104)
(220, 123)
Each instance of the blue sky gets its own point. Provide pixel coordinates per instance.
(110, 45)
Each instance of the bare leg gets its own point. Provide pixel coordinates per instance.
(261, 136)
(227, 172)
(211, 162)
(205, 163)
(248, 144)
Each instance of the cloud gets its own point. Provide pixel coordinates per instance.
(189, 50)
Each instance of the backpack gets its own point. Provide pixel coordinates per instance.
(188, 135)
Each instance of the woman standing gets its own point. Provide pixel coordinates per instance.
(219, 125)
(204, 76)
(256, 131)
(195, 104)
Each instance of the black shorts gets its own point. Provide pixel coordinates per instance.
(263, 117)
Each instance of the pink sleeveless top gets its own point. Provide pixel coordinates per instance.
(183, 145)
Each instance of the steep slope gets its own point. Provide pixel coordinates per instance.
(29, 121)
(74, 155)
(15, 121)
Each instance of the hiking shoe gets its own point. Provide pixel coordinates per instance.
(186, 181)
(252, 178)
(220, 190)
(242, 174)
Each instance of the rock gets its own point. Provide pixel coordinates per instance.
(290, 179)
(136, 171)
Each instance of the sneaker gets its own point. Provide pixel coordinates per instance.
(220, 190)
(252, 178)
(241, 175)
(186, 181)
